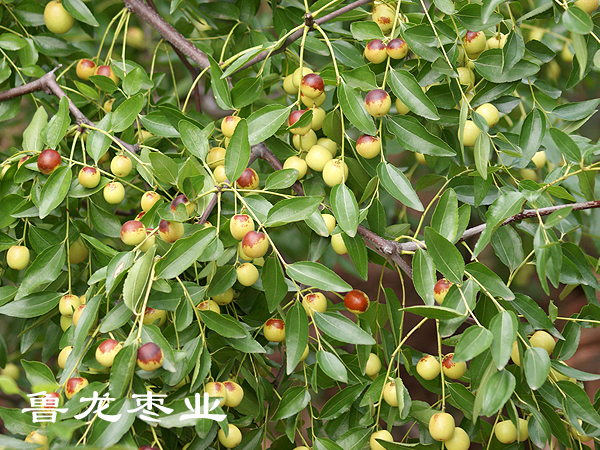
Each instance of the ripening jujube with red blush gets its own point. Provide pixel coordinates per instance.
(235, 394)
(240, 224)
(152, 315)
(295, 117)
(429, 367)
(384, 16)
(48, 161)
(312, 85)
(107, 72)
(335, 172)
(216, 389)
(150, 357)
(107, 351)
(453, 369)
(190, 207)
(85, 68)
(147, 447)
(440, 290)
(356, 301)
(274, 330)
(114, 192)
(89, 177)
(378, 102)
(133, 232)
(314, 301)
(248, 179)
(229, 124)
(397, 48)
(170, 231)
(375, 51)
(474, 43)
(368, 146)
(63, 356)
(148, 200)
(74, 385)
(255, 244)
(215, 156)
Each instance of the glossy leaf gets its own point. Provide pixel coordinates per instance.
(445, 255)
(345, 208)
(398, 186)
(296, 335)
(353, 108)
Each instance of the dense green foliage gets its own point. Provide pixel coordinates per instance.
(406, 192)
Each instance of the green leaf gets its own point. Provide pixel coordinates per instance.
(98, 143)
(345, 208)
(508, 246)
(424, 276)
(504, 206)
(504, 329)
(353, 108)
(184, 253)
(238, 151)
(296, 335)
(32, 136)
(342, 329)
(341, 402)
(80, 11)
(281, 179)
(136, 283)
(105, 434)
(292, 209)
(498, 389)
(398, 186)
(12, 42)
(481, 152)
(223, 324)
(489, 280)
(317, 275)
(534, 314)
(122, 370)
(433, 312)
(574, 373)
(87, 321)
(33, 305)
(127, 112)
(537, 367)
(365, 31)
(473, 341)
(445, 215)
(358, 253)
(411, 134)
(577, 20)
(45, 269)
(246, 91)
(579, 402)
(55, 190)
(273, 282)
(471, 17)
(265, 122)
(565, 144)
(405, 86)
(489, 66)
(57, 127)
(164, 167)
(332, 366)
(219, 85)
(294, 400)
(445, 255)
(194, 139)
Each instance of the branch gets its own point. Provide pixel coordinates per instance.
(48, 84)
(193, 72)
(526, 214)
(298, 34)
(174, 37)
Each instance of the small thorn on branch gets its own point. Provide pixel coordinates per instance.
(309, 20)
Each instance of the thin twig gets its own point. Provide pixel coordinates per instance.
(193, 72)
(527, 214)
(49, 85)
(167, 31)
(298, 34)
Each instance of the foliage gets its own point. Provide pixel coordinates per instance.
(413, 208)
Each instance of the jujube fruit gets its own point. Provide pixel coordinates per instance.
(356, 301)
(48, 161)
